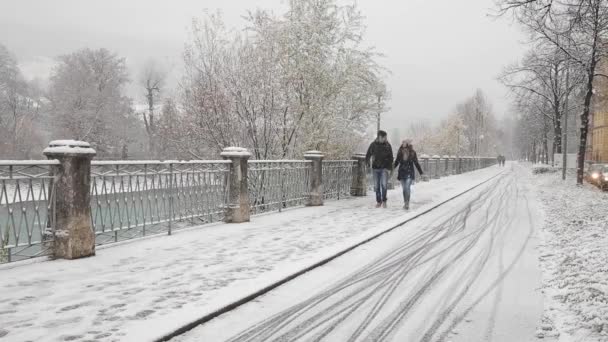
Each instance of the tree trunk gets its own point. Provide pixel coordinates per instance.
(582, 147)
(557, 139)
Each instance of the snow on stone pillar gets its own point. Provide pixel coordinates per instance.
(237, 210)
(359, 185)
(315, 197)
(74, 235)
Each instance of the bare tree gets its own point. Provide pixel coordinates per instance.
(577, 28)
(478, 123)
(544, 76)
(287, 84)
(152, 79)
(19, 107)
(87, 101)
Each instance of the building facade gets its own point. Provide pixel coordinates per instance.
(599, 135)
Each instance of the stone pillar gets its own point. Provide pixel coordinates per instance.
(437, 163)
(425, 168)
(315, 196)
(238, 209)
(359, 185)
(74, 235)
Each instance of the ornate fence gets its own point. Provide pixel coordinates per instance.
(279, 184)
(134, 199)
(337, 178)
(129, 199)
(26, 209)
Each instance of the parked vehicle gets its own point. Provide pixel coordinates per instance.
(593, 173)
(603, 179)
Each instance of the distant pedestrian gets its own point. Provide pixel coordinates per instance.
(380, 153)
(406, 160)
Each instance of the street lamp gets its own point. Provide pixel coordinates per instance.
(379, 95)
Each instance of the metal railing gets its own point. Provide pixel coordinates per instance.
(337, 178)
(26, 209)
(436, 167)
(279, 184)
(135, 199)
(132, 199)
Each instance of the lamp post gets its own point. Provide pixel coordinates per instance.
(379, 94)
(565, 128)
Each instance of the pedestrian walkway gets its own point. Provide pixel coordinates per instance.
(144, 289)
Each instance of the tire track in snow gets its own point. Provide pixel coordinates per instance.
(370, 288)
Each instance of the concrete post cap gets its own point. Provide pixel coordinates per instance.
(233, 152)
(426, 156)
(313, 154)
(71, 147)
(436, 157)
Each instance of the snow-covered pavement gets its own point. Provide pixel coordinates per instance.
(144, 289)
(574, 258)
(468, 271)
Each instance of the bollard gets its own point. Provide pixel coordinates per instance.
(315, 197)
(358, 187)
(74, 235)
(238, 209)
(437, 162)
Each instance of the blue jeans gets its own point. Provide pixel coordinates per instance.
(406, 185)
(380, 184)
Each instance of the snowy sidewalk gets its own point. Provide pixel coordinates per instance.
(144, 289)
(574, 256)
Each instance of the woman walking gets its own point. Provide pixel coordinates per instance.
(406, 160)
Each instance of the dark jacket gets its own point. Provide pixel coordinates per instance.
(406, 167)
(382, 154)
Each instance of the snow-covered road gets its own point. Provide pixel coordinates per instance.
(468, 271)
(147, 288)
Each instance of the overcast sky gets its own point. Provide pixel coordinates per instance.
(438, 51)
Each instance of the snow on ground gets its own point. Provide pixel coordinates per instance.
(466, 272)
(574, 258)
(143, 289)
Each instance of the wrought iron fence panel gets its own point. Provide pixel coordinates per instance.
(135, 199)
(27, 209)
(276, 185)
(337, 178)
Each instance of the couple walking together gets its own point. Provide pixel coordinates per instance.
(380, 153)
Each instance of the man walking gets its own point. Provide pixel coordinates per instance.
(381, 154)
